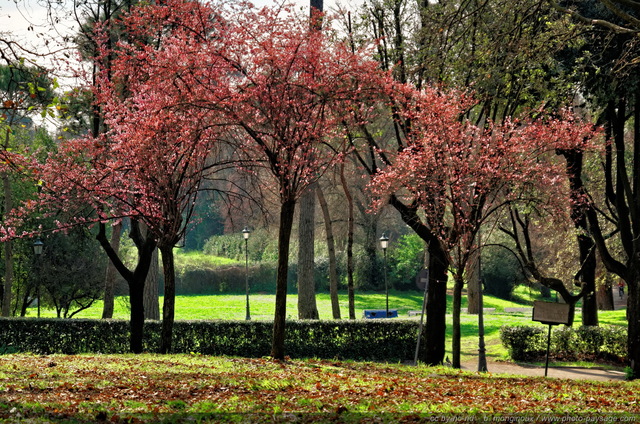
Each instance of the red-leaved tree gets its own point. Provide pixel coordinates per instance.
(149, 164)
(457, 174)
(287, 86)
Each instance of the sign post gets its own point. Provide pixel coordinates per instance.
(552, 314)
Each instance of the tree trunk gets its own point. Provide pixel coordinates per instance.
(350, 230)
(151, 302)
(473, 283)
(112, 274)
(435, 329)
(372, 277)
(168, 307)
(136, 324)
(307, 308)
(331, 248)
(633, 316)
(587, 273)
(457, 304)
(604, 294)
(8, 250)
(135, 279)
(287, 210)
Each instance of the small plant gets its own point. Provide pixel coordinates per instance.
(177, 404)
(629, 374)
(7, 350)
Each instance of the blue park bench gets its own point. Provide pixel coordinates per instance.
(380, 313)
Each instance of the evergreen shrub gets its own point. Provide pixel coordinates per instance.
(379, 340)
(589, 343)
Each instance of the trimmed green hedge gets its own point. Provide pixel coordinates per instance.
(380, 340)
(591, 343)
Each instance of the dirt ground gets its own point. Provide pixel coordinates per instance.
(599, 374)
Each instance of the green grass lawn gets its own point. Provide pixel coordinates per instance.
(232, 306)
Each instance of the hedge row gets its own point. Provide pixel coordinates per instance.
(381, 340)
(583, 343)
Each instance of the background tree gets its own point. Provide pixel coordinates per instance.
(609, 72)
(22, 89)
(69, 272)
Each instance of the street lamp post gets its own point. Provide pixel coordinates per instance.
(37, 250)
(384, 243)
(245, 234)
(482, 352)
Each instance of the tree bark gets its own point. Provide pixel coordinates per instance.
(307, 307)
(135, 279)
(331, 248)
(604, 293)
(435, 329)
(633, 316)
(168, 307)
(350, 231)
(8, 250)
(112, 274)
(457, 306)
(436, 324)
(473, 283)
(151, 302)
(287, 211)
(587, 272)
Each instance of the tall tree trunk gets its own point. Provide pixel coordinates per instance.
(473, 283)
(350, 231)
(168, 307)
(151, 302)
(287, 211)
(371, 266)
(307, 308)
(112, 274)
(136, 301)
(8, 250)
(587, 273)
(435, 329)
(604, 293)
(633, 317)
(457, 304)
(331, 248)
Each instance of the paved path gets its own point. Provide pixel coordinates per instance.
(553, 372)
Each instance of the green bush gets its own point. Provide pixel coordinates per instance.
(381, 340)
(583, 343)
(523, 342)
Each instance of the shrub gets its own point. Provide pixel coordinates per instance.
(583, 343)
(381, 340)
(523, 342)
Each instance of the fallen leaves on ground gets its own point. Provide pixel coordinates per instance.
(127, 388)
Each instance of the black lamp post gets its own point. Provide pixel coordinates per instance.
(482, 352)
(245, 234)
(37, 250)
(384, 243)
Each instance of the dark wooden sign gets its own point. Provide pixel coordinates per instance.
(552, 313)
